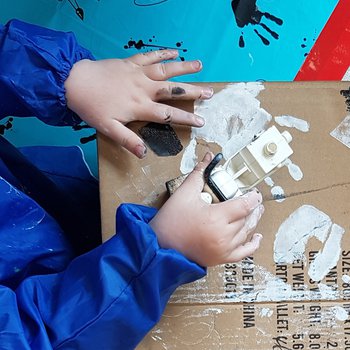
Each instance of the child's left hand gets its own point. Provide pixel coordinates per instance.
(108, 94)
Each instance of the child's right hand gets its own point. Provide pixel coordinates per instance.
(209, 234)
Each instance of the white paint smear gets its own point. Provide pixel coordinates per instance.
(346, 279)
(232, 117)
(294, 233)
(269, 181)
(296, 230)
(266, 312)
(294, 170)
(340, 313)
(326, 259)
(278, 193)
(293, 122)
(342, 132)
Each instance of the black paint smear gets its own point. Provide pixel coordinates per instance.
(7, 126)
(246, 12)
(81, 127)
(157, 2)
(78, 10)
(140, 44)
(162, 139)
(263, 39)
(177, 91)
(346, 94)
(87, 139)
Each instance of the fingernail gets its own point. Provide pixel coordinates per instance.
(253, 199)
(208, 157)
(207, 92)
(140, 151)
(173, 53)
(197, 65)
(200, 121)
(257, 239)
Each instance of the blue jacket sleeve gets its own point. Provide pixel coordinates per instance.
(34, 64)
(108, 298)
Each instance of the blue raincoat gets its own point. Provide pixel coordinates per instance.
(60, 288)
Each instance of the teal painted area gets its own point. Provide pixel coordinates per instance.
(206, 29)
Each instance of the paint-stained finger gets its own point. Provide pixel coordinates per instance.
(249, 225)
(164, 114)
(153, 57)
(195, 181)
(180, 91)
(240, 207)
(246, 249)
(125, 137)
(164, 71)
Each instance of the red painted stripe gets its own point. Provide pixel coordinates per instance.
(329, 58)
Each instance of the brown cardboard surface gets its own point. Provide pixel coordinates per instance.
(256, 304)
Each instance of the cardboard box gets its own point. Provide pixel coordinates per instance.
(260, 303)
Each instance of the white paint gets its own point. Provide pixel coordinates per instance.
(278, 193)
(346, 279)
(326, 259)
(328, 292)
(269, 181)
(266, 312)
(342, 132)
(294, 170)
(293, 122)
(346, 76)
(232, 117)
(340, 313)
(297, 229)
(189, 158)
(294, 233)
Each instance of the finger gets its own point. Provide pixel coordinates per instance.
(240, 207)
(164, 71)
(125, 137)
(195, 181)
(249, 225)
(180, 91)
(164, 114)
(245, 250)
(152, 57)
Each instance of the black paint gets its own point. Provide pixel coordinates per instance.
(7, 126)
(140, 44)
(161, 139)
(246, 12)
(151, 3)
(78, 10)
(87, 139)
(346, 94)
(178, 91)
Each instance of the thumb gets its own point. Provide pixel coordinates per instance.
(195, 180)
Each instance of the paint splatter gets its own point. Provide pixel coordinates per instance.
(294, 170)
(246, 12)
(342, 132)
(162, 139)
(294, 233)
(144, 3)
(87, 139)
(78, 10)
(149, 45)
(346, 94)
(278, 193)
(232, 117)
(293, 122)
(7, 126)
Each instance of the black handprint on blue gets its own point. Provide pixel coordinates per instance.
(246, 12)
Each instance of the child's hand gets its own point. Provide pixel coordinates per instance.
(209, 234)
(108, 94)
